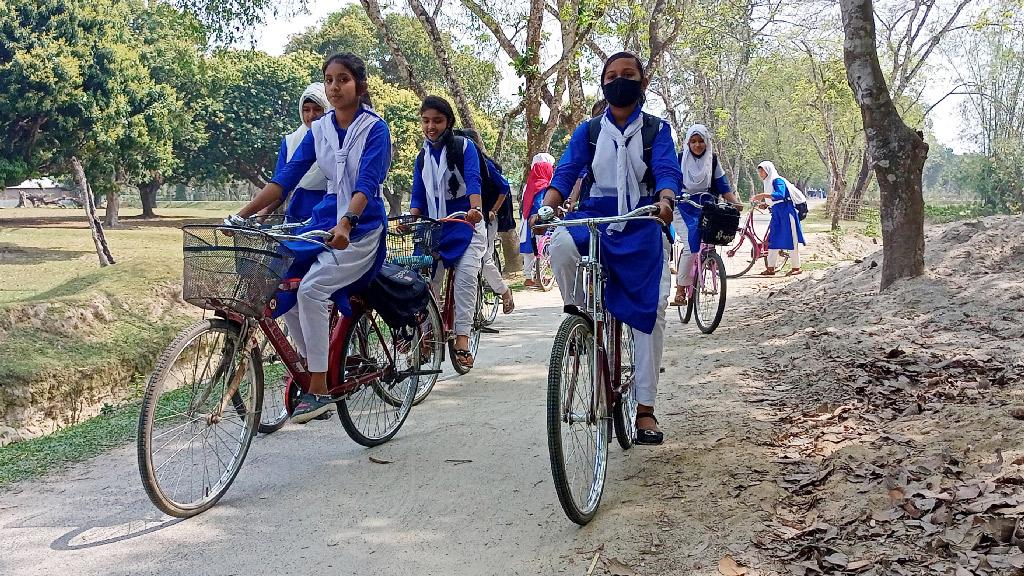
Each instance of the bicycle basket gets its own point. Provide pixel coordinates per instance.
(718, 224)
(411, 242)
(237, 269)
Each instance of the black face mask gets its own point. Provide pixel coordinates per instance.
(623, 92)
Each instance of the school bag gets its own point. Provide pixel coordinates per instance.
(648, 132)
(400, 296)
(799, 199)
(490, 188)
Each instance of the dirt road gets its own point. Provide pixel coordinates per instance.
(468, 491)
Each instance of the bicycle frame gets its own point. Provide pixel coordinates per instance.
(696, 267)
(748, 230)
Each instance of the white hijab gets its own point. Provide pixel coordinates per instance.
(314, 178)
(542, 157)
(697, 176)
(795, 194)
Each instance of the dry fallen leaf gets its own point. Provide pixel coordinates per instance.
(376, 460)
(617, 568)
(996, 466)
(728, 567)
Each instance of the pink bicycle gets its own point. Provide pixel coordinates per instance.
(705, 293)
(739, 256)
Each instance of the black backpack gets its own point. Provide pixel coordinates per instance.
(400, 296)
(490, 189)
(648, 132)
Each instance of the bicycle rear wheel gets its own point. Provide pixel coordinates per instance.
(432, 342)
(577, 422)
(709, 297)
(739, 256)
(198, 418)
(544, 276)
(624, 411)
(374, 412)
(492, 301)
(274, 413)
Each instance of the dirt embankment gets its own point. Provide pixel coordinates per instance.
(69, 360)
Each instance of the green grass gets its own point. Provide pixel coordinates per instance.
(75, 443)
(939, 213)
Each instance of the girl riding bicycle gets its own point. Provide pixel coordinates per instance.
(702, 174)
(784, 230)
(632, 162)
(352, 146)
(312, 188)
(440, 189)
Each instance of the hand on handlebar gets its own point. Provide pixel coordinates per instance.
(474, 216)
(665, 212)
(339, 239)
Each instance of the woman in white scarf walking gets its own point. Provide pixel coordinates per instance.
(784, 231)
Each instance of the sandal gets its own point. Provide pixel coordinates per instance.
(465, 358)
(648, 437)
(529, 282)
(768, 272)
(794, 272)
(679, 299)
(507, 306)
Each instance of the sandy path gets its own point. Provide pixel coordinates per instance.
(309, 501)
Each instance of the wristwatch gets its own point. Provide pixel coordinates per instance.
(353, 219)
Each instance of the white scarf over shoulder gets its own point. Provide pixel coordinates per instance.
(795, 194)
(435, 177)
(619, 163)
(314, 179)
(339, 161)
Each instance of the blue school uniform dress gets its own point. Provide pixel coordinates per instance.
(633, 256)
(438, 192)
(709, 195)
(784, 212)
(371, 160)
(308, 192)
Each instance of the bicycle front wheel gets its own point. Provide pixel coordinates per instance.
(739, 256)
(199, 414)
(577, 422)
(709, 297)
(544, 276)
(384, 364)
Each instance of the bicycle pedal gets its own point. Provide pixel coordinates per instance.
(487, 330)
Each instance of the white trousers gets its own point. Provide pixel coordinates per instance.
(309, 322)
(529, 261)
(467, 272)
(648, 347)
(489, 269)
(794, 254)
(685, 259)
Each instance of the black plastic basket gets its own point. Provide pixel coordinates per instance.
(228, 268)
(412, 241)
(718, 224)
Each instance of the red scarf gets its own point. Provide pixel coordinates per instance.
(538, 181)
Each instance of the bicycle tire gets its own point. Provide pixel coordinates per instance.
(685, 311)
(151, 403)
(364, 328)
(543, 274)
(624, 411)
(435, 337)
(740, 265)
(575, 334)
(492, 301)
(711, 264)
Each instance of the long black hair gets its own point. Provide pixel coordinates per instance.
(441, 106)
(357, 68)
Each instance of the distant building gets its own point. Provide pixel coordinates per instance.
(38, 188)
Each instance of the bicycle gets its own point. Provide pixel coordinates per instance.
(492, 301)
(706, 289)
(203, 400)
(739, 261)
(590, 382)
(543, 275)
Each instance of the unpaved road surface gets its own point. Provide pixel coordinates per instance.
(468, 491)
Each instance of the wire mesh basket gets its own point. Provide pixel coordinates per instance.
(412, 241)
(236, 269)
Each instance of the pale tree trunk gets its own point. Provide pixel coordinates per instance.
(88, 200)
(510, 247)
(897, 153)
(372, 8)
(113, 205)
(439, 45)
(22, 200)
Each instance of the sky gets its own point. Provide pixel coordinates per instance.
(947, 119)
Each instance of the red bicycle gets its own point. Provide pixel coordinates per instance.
(706, 290)
(202, 404)
(748, 247)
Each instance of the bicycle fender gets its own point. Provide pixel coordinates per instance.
(575, 310)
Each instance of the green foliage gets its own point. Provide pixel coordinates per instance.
(996, 181)
(400, 107)
(942, 213)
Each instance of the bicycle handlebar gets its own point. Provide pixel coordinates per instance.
(546, 217)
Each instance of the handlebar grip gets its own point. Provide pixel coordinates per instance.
(545, 214)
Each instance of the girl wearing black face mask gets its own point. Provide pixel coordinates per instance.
(631, 162)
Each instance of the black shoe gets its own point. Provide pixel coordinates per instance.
(648, 437)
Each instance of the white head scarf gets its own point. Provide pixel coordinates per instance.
(697, 176)
(314, 179)
(795, 194)
(542, 157)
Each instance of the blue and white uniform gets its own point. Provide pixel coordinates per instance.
(784, 230)
(489, 270)
(635, 256)
(311, 188)
(462, 245)
(701, 175)
(354, 160)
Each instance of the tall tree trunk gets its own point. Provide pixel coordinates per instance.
(510, 247)
(113, 205)
(147, 193)
(440, 47)
(897, 153)
(394, 199)
(88, 201)
(372, 8)
(22, 200)
(863, 178)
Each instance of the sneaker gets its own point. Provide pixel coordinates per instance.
(311, 406)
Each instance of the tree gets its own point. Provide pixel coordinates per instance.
(896, 151)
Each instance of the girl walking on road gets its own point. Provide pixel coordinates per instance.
(784, 230)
